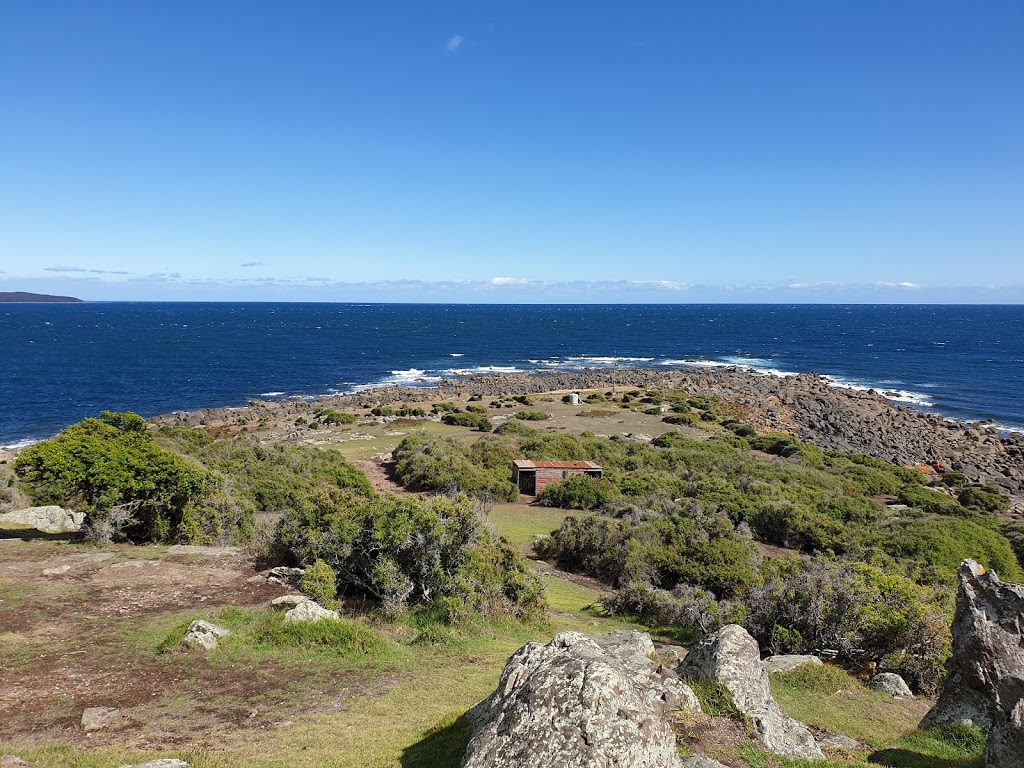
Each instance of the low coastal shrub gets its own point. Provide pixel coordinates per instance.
(472, 420)
(441, 464)
(409, 551)
(109, 467)
(985, 498)
(532, 415)
(578, 492)
(331, 417)
(266, 478)
(319, 582)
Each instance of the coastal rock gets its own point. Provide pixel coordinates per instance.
(574, 704)
(840, 742)
(95, 718)
(891, 683)
(1006, 741)
(701, 761)
(309, 610)
(285, 602)
(788, 662)
(165, 762)
(731, 657)
(988, 650)
(202, 635)
(49, 521)
(12, 761)
(285, 576)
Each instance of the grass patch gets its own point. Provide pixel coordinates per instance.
(716, 701)
(266, 629)
(828, 697)
(521, 523)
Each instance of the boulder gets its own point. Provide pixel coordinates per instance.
(891, 683)
(731, 657)
(988, 647)
(788, 662)
(284, 602)
(840, 742)
(1006, 740)
(310, 610)
(12, 761)
(165, 762)
(202, 635)
(575, 704)
(94, 718)
(701, 761)
(46, 521)
(285, 576)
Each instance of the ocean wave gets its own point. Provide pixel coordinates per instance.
(270, 394)
(483, 369)
(18, 445)
(747, 364)
(611, 361)
(896, 395)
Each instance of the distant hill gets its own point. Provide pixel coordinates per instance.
(21, 297)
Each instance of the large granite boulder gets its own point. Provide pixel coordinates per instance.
(731, 657)
(985, 681)
(988, 647)
(572, 703)
(46, 521)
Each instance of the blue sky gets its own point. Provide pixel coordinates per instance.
(481, 151)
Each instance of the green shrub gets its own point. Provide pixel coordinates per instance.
(476, 408)
(984, 497)
(383, 410)
(318, 581)
(110, 467)
(679, 418)
(523, 399)
(532, 415)
(410, 551)
(473, 420)
(578, 492)
(444, 408)
(332, 417)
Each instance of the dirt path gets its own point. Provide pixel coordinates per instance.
(380, 476)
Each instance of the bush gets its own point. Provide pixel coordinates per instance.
(984, 497)
(473, 420)
(679, 418)
(332, 417)
(409, 551)
(691, 612)
(523, 399)
(111, 463)
(318, 582)
(532, 415)
(441, 464)
(578, 492)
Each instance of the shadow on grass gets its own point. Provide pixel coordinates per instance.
(905, 758)
(441, 747)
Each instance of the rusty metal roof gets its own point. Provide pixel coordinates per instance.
(527, 464)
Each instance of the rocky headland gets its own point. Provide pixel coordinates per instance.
(807, 406)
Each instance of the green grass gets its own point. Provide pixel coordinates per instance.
(830, 698)
(521, 523)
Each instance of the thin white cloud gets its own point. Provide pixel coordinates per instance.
(68, 269)
(453, 43)
(905, 285)
(818, 286)
(510, 281)
(665, 285)
(252, 264)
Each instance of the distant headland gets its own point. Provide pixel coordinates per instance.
(21, 297)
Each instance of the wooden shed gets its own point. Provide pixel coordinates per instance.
(532, 477)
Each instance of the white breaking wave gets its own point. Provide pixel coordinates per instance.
(270, 394)
(23, 443)
(896, 395)
(483, 369)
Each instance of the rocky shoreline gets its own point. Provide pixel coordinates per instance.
(807, 406)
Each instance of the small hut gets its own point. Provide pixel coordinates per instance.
(532, 477)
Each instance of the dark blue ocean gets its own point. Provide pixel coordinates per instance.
(62, 362)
